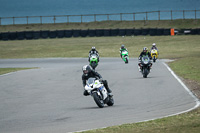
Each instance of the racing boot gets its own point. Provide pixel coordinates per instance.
(85, 93)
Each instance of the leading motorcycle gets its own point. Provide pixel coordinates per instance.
(145, 66)
(99, 93)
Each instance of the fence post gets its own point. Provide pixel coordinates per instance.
(120, 16)
(95, 18)
(171, 16)
(27, 19)
(159, 15)
(40, 19)
(13, 20)
(67, 18)
(183, 14)
(81, 19)
(54, 19)
(195, 14)
(133, 16)
(146, 16)
(107, 17)
(0, 21)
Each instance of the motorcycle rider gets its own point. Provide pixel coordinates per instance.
(93, 51)
(154, 46)
(122, 49)
(88, 72)
(144, 53)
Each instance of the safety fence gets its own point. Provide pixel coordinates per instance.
(93, 33)
(149, 15)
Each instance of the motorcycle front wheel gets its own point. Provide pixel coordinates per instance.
(110, 102)
(98, 101)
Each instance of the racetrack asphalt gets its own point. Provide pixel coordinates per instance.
(50, 99)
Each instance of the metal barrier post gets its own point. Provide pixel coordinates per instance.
(0, 21)
(54, 19)
(27, 19)
(121, 16)
(146, 16)
(183, 14)
(95, 18)
(40, 19)
(108, 17)
(171, 16)
(195, 14)
(133, 16)
(159, 15)
(13, 20)
(68, 19)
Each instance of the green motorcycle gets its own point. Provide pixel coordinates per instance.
(125, 56)
(93, 61)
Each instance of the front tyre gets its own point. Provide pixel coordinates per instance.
(111, 101)
(145, 73)
(98, 100)
(154, 59)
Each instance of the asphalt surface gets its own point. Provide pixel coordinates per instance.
(50, 99)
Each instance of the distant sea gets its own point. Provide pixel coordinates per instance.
(15, 8)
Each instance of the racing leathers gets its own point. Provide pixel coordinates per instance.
(94, 74)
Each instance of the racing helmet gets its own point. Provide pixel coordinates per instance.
(93, 48)
(154, 44)
(122, 47)
(86, 70)
(145, 49)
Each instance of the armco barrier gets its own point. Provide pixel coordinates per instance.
(5, 36)
(91, 33)
(129, 32)
(12, 35)
(60, 33)
(145, 32)
(44, 34)
(94, 32)
(21, 35)
(99, 32)
(29, 35)
(137, 32)
(84, 33)
(166, 32)
(76, 33)
(68, 33)
(36, 34)
(114, 32)
(52, 34)
(152, 32)
(106, 32)
(122, 32)
(160, 32)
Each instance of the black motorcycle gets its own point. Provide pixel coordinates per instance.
(145, 66)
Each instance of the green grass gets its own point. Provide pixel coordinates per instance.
(169, 46)
(177, 24)
(8, 70)
(188, 68)
(184, 123)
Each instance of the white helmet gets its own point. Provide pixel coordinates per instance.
(154, 44)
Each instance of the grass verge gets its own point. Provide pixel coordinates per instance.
(8, 70)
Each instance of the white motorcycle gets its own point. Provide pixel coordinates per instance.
(97, 90)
